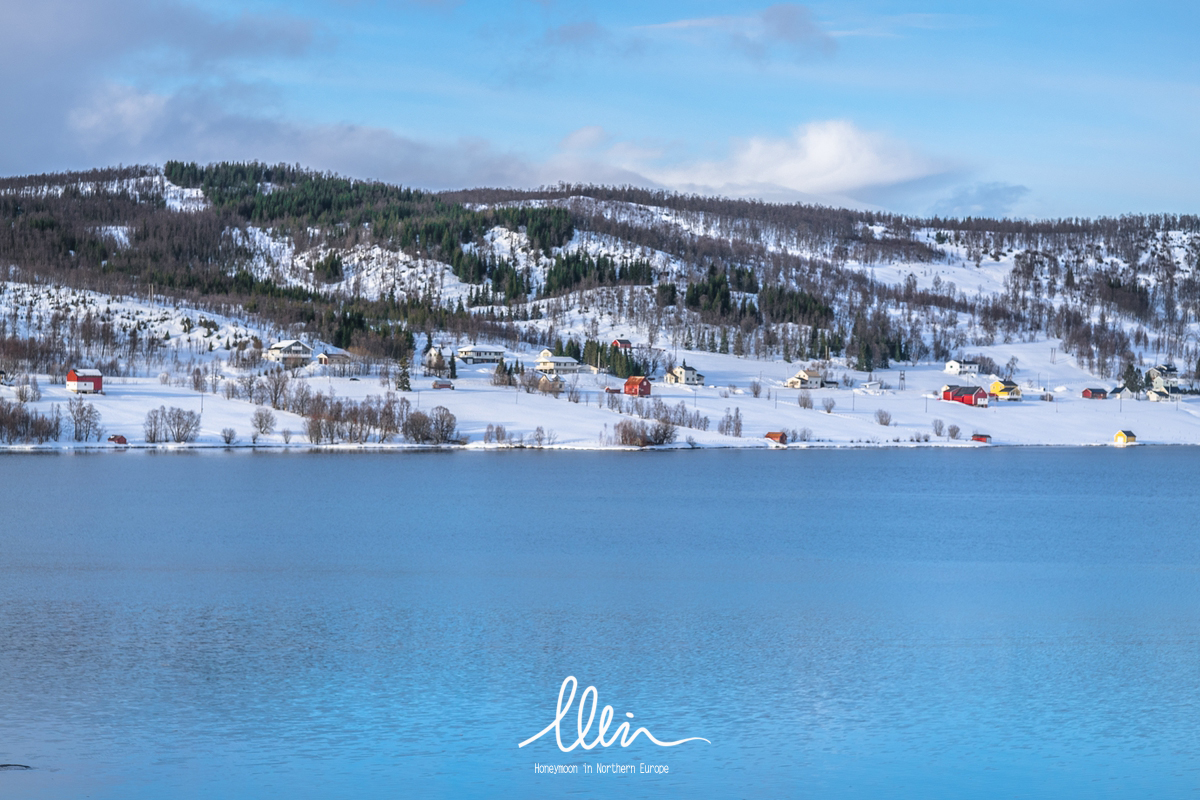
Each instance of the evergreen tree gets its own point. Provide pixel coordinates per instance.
(453, 366)
(402, 383)
(724, 341)
(1132, 378)
(739, 344)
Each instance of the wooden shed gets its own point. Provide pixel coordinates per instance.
(778, 437)
(638, 386)
(85, 381)
(967, 395)
(1124, 437)
(981, 437)
(1095, 394)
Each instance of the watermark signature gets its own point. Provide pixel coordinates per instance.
(606, 717)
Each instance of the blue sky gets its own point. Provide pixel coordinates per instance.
(1020, 108)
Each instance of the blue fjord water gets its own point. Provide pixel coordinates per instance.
(891, 623)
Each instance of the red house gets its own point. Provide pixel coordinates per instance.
(622, 344)
(967, 395)
(981, 437)
(1095, 394)
(85, 381)
(638, 386)
(778, 437)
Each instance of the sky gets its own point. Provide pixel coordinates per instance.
(1024, 109)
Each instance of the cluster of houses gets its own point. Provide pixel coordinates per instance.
(291, 353)
(1162, 385)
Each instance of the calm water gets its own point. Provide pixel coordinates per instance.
(986, 624)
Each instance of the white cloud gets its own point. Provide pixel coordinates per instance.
(821, 158)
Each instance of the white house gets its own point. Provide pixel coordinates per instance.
(480, 354)
(686, 376)
(962, 367)
(551, 364)
(805, 379)
(289, 352)
(1163, 378)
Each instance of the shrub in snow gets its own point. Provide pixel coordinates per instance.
(263, 421)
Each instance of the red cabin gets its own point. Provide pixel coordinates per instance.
(967, 395)
(638, 386)
(622, 344)
(1095, 394)
(85, 381)
(981, 437)
(778, 437)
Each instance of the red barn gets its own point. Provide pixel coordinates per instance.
(638, 386)
(622, 344)
(969, 395)
(981, 437)
(85, 381)
(778, 437)
(1095, 394)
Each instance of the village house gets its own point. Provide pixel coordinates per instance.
(551, 364)
(967, 395)
(1160, 396)
(328, 357)
(435, 362)
(1163, 377)
(551, 384)
(1123, 392)
(805, 379)
(85, 381)
(638, 386)
(1005, 390)
(962, 367)
(622, 344)
(480, 354)
(1124, 437)
(981, 437)
(685, 375)
(1095, 394)
(778, 437)
(290, 353)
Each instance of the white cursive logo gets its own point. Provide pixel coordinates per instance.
(606, 716)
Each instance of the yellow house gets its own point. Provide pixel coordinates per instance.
(1005, 390)
(1124, 437)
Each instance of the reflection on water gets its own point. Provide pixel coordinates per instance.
(868, 623)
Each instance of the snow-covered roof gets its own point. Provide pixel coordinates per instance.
(286, 343)
(89, 373)
(480, 348)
